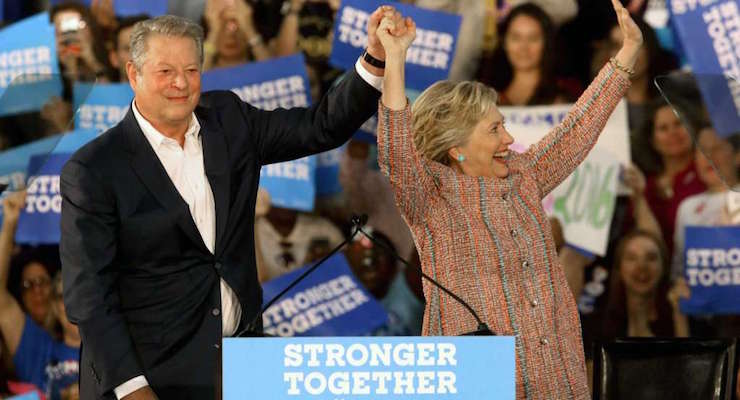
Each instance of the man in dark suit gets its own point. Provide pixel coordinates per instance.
(158, 213)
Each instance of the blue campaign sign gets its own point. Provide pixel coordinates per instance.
(281, 82)
(26, 396)
(327, 172)
(708, 32)
(100, 106)
(712, 270)
(329, 302)
(39, 221)
(291, 184)
(126, 8)
(29, 73)
(151, 8)
(14, 163)
(460, 368)
(427, 60)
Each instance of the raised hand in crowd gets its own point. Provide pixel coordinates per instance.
(286, 41)
(634, 179)
(679, 290)
(11, 314)
(334, 4)
(232, 34)
(102, 11)
(12, 206)
(244, 15)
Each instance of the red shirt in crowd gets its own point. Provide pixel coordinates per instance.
(665, 205)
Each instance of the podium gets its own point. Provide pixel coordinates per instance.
(447, 367)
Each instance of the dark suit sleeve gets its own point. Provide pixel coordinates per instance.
(88, 249)
(282, 134)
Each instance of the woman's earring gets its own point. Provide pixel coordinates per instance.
(460, 158)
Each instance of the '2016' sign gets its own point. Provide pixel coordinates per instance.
(588, 196)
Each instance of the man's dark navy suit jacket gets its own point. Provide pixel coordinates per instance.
(138, 279)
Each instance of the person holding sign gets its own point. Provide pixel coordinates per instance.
(157, 220)
(474, 208)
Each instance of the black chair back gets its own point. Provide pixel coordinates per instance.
(664, 368)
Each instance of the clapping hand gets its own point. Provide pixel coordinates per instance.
(12, 206)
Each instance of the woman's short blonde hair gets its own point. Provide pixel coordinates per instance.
(444, 115)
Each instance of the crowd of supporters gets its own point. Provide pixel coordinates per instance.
(539, 52)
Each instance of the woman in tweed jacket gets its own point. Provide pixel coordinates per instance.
(474, 208)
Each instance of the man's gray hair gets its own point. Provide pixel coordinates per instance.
(168, 25)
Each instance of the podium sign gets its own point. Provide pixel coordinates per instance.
(369, 367)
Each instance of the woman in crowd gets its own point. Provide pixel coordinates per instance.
(474, 208)
(716, 167)
(640, 302)
(717, 170)
(232, 37)
(80, 47)
(522, 68)
(38, 358)
(34, 289)
(664, 151)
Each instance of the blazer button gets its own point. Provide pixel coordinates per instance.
(217, 265)
(215, 312)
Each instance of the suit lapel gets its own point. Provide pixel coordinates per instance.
(216, 160)
(150, 170)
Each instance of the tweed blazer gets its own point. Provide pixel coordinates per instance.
(489, 240)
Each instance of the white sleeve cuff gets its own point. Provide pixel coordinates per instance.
(130, 386)
(374, 80)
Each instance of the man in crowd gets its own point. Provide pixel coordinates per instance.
(120, 54)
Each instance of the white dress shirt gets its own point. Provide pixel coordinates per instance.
(184, 166)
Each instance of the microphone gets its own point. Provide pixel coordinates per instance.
(357, 222)
(482, 330)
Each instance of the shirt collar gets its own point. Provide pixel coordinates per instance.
(155, 137)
